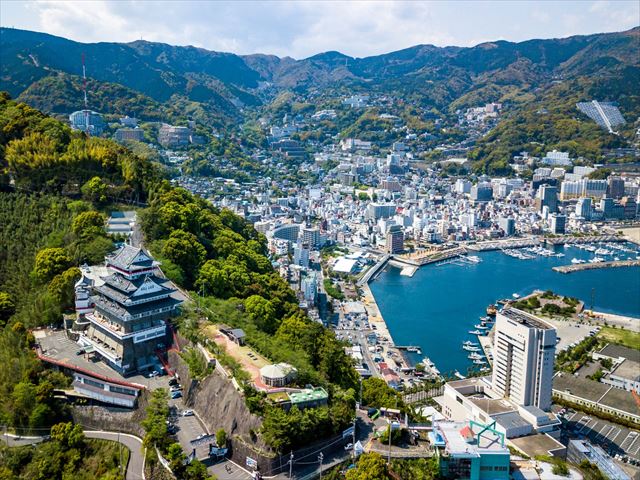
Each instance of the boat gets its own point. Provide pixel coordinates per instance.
(575, 261)
(481, 327)
(492, 310)
(486, 319)
(476, 332)
(515, 295)
(474, 356)
(471, 349)
(479, 362)
(469, 343)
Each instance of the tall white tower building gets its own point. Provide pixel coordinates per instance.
(524, 350)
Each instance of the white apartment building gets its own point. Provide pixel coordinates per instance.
(524, 350)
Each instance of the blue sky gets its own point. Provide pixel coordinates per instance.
(301, 29)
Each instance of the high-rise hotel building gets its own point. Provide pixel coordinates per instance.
(524, 350)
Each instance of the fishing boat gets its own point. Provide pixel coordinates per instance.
(469, 343)
(470, 348)
(481, 327)
(474, 356)
(515, 295)
(476, 332)
(479, 362)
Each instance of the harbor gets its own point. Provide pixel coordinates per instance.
(438, 309)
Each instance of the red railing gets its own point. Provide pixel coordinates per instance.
(84, 371)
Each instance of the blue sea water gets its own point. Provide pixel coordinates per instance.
(437, 307)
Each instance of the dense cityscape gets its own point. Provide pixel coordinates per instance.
(353, 279)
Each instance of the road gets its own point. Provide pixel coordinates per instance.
(135, 469)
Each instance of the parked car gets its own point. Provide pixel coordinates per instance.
(187, 413)
(80, 352)
(155, 373)
(348, 447)
(176, 394)
(176, 388)
(173, 381)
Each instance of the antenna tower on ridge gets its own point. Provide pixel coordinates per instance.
(84, 89)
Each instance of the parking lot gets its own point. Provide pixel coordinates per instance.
(615, 439)
(187, 428)
(56, 344)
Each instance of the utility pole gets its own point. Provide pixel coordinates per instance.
(320, 457)
(353, 449)
(291, 465)
(389, 453)
(120, 453)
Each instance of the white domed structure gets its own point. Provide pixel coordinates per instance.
(278, 375)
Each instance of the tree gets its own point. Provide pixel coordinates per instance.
(88, 224)
(68, 434)
(221, 438)
(7, 307)
(376, 393)
(23, 401)
(184, 250)
(370, 466)
(416, 469)
(61, 287)
(95, 190)
(155, 423)
(50, 262)
(261, 312)
(560, 468)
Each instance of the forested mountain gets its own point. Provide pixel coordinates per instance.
(223, 81)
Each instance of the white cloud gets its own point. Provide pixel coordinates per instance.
(304, 28)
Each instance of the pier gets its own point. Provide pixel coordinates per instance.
(593, 266)
(590, 239)
(502, 244)
(373, 270)
(425, 257)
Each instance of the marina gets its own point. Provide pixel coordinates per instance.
(427, 310)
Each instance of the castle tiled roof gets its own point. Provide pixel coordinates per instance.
(129, 257)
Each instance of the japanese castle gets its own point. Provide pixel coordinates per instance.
(126, 311)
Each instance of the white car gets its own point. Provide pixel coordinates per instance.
(348, 447)
(187, 413)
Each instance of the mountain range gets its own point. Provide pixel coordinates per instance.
(45, 70)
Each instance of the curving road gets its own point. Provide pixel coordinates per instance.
(135, 469)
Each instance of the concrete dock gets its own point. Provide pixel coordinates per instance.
(593, 266)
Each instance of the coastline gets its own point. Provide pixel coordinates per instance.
(375, 316)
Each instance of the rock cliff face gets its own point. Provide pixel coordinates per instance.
(220, 405)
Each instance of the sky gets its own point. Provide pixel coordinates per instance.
(300, 29)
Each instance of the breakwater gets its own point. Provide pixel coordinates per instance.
(595, 266)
